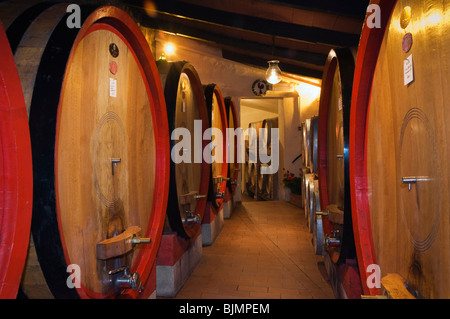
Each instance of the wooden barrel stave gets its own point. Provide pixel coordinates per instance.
(403, 134)
(306, 125)
(21, 16)
(233, 164)
(215, 105)
(185, 103)
(315, 205)
(333, 145)
(311, 191)
(253, 167)
(53, 227)
(267, 183)
(16, 183)
(313, 144)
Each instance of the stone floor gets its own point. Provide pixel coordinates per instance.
(263, 251)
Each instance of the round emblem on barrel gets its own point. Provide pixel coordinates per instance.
(113, 68)
(405, 17)
(407, 42)
(114, 50)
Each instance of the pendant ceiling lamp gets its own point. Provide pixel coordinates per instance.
(273, 73)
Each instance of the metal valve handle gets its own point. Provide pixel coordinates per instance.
(127, 280)
(414, 179)
(220, 195)
(140, 240)
(332, 241)
(190, 218)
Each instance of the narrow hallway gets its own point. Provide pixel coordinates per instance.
(263, 251)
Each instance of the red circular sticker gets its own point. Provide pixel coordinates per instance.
(113, 68)
(407, 42)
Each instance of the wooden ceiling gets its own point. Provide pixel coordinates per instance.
(298, 33)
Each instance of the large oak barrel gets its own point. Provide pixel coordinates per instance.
(100, 148)
(315, 206)
(305, 181)
(16, 176)
(313, 144)
(233, 164)
(310, 188)
(267, 183)
(215, 105)
(189, 172)
(253, 164)
(333, 163)
(399, 152)
(306, 143)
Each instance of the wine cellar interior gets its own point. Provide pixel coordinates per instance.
(240, 149)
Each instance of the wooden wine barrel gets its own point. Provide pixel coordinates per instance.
(315, 205)
(399, 139)
(313, 144)
(100, 148)
(189, 176)
(333, 163)
(215, 105)
(304, 171)
(306, 143)
(309, 209)
(267, 183)
(16, 175)
(254, 165)
(233, 164)
(246, 165)
(308, 181)
(316, 221)
(11, 9)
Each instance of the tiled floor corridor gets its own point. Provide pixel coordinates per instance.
(263, 251)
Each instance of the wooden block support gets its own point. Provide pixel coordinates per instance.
(395, 287)
(117, 245)
(335, 214)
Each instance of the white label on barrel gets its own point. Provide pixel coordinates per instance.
(408, 70)
(112, 87)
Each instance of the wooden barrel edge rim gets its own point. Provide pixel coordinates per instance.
(229, 103)
(345, 60)
(314, 133)
(14, 128)
(192, 73)
(175, 222)
(126, 28)
(213, 89)
(342, 58)
(367, 56)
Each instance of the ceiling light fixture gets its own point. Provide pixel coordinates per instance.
(169, 48)
(273, 73)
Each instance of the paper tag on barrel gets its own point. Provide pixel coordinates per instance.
(112, 87)
(408, 70)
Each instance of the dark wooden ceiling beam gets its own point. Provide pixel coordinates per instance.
(173, 25)
(283, 12)
(260, 25)
(347, 8)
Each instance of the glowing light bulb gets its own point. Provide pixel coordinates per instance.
(169, 48)
(273, 73)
